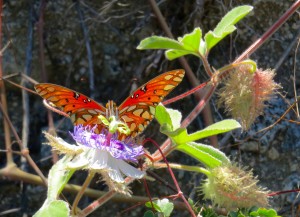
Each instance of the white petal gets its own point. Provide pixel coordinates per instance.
(129, 170)
(100, 159)
(78, 162)
(114, 172)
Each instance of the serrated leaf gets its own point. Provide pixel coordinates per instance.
(159, 42)
(57, 208)
(226, 25)
(208, 155)
(58, 177)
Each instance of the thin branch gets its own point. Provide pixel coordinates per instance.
(88, 48)
(294, 79)
(287, 51)
(25, 97)
(43, 65)
(9, 157)
(40, 28)
(24, 151)
(269, 32)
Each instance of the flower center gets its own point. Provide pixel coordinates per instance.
(118, 145)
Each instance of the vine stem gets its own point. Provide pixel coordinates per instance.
(197, 169)
(81, 192)
(179, 192)
(97, 203)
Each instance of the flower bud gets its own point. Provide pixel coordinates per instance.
(231, 187)
(244, 93)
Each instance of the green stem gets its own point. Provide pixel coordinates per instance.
(81, 192)
(224, 71)
(183, 167)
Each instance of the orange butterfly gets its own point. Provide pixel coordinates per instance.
(136, 111)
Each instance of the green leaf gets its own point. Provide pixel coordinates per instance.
(159, 42)
(162, 115)
(162, 206)
(180, 136)
(192, 40)
(175, 118)
(58, 177)
(57, 208)
(168, 117)
(214, 129)
(188, 44)
(155, 206)
(165, 206)
(263, 212)
(173, 53)
(149, 213)
(226, 25)
(208, 155)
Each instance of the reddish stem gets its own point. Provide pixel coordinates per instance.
(180, 194)
(181, 96)
(269, 32)
(283, 192)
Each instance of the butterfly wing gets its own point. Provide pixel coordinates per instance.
(80, 108)
(139, 108)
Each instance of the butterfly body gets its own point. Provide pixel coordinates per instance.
(136, 111)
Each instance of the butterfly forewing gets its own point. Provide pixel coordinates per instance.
(139, 108)
(80, 108)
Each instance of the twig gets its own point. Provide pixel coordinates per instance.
(294, 79)
(9, 157)
(25, 98)
(88, 48)
(25, 104)
(10, 76)
(81, 192)
(20, 86)
(40, 28)
(19, 175)
(43, 66)
(287, 51)
(24, 151)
